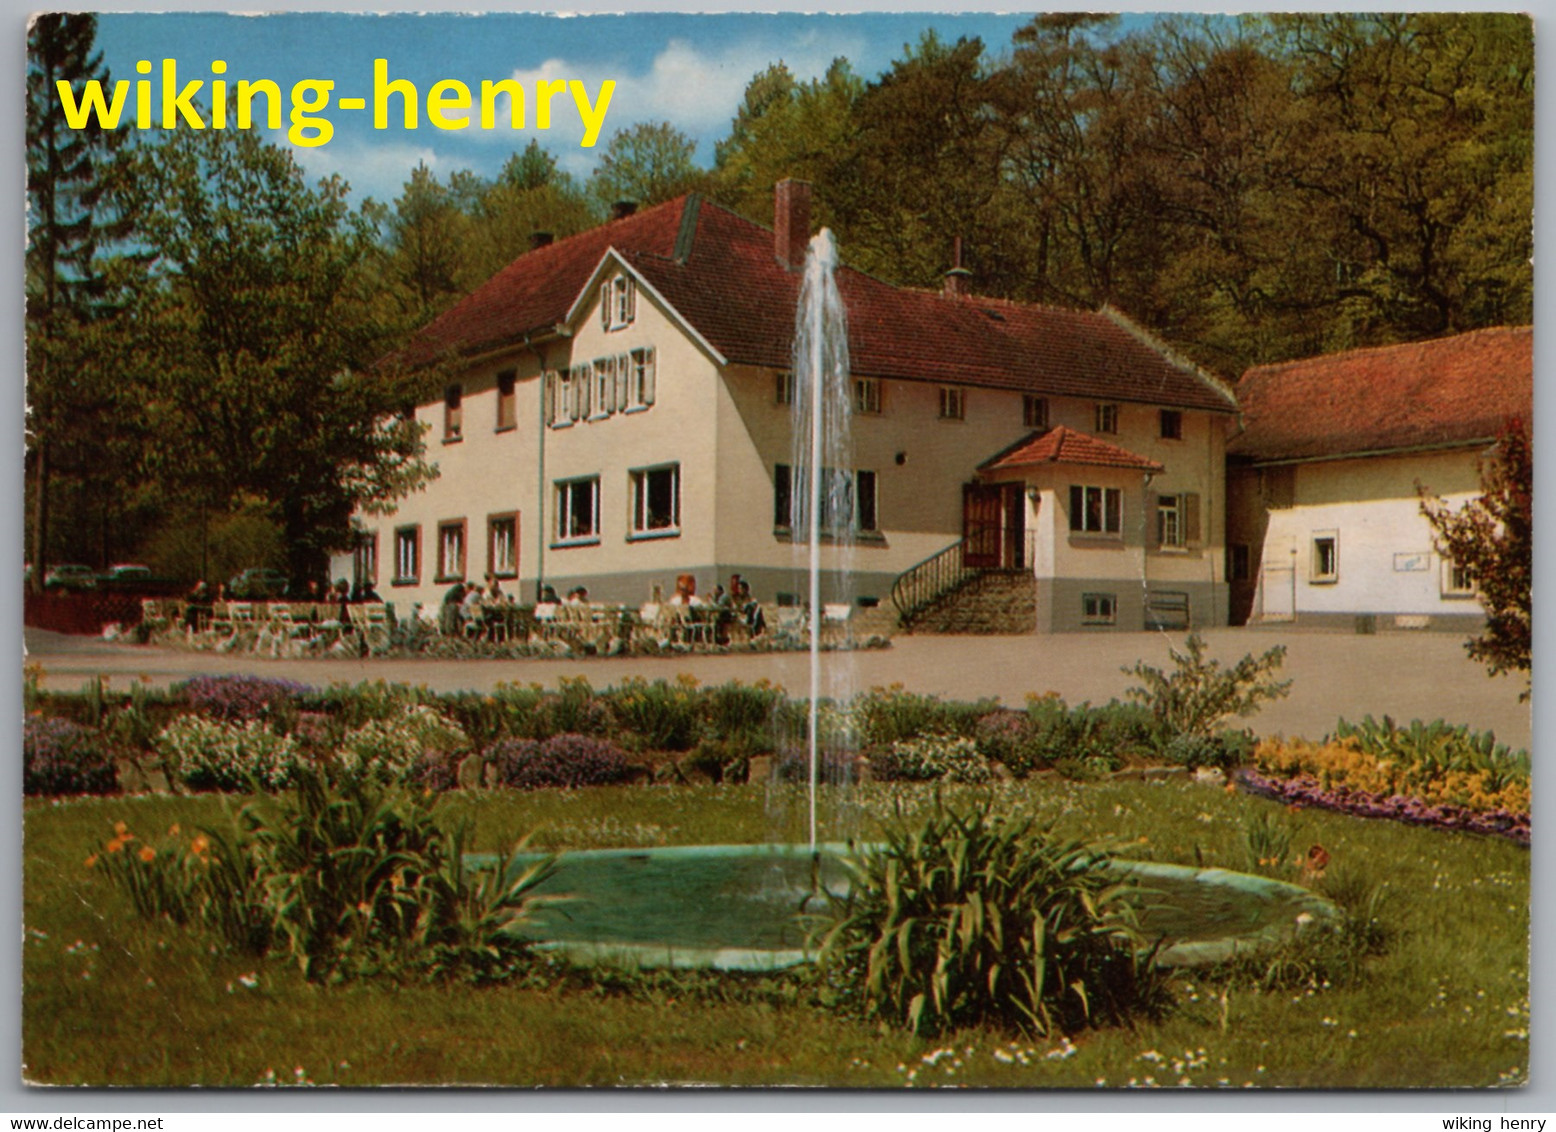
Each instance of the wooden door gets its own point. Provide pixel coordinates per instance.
(983, 516)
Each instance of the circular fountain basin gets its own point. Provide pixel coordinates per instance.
(741, 907)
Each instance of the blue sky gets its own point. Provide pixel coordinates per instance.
(690, 70)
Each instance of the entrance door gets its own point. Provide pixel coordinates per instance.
(993, 526)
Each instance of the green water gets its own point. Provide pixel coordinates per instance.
(745, 906)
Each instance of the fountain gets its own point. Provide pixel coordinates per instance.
(734, 906)
(822, 493)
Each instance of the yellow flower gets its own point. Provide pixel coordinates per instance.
(91, 861)
(148, 854)
(174, 830)
(116, 845)
(121, 829)
(199, 845)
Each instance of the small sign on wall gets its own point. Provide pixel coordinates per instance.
(1412, 563)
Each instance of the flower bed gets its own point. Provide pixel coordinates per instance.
(1306, 790)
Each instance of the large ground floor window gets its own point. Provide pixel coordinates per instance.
(578, 510)
(656, 501)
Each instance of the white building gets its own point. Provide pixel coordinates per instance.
(1325, 516)
(619, 414)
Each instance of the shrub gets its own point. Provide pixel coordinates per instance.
(1438, 748)
(237, 699)
(563, 760)
(342, 878)
(60, 757)
(209, 754)
(1009, 738)
(1228, 749)
(388, 750)
(573, 710)
(1084, 740)
(933, 756)
(981, 918)
(664, 716)
(743, 715)
(1199, 694)
(883, 716)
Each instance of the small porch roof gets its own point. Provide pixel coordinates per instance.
(1063, 445)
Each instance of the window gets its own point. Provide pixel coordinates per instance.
(618, 302)
(1107, 418)
(1034, 411)
(783, 497)
(1099, 609)
(640, 383)
(953, 403)
(582, 387)
(656, 501)
(453, 413)
(364, 559)
(864, 501)
(1177, 520)
(604, 387)
(1096, 510)
(1172, 424)
(1169, 520)
(1458, 581)
(561, 390)
(507, 402)
(1238, 563)
(848, 501)
(1326, 558)
(407, 555)
(867, 395)
(502, 546)
(451, 550)
(783, 389)
(578, 510)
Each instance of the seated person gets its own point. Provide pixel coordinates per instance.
(471, 610)
(751, 610)
(449, 613)
(578, 595)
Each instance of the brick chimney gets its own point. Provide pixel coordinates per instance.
(956, 277)
(539, 239)
(791, 221)
(623, 209)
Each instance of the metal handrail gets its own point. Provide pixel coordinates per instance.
(921, 585)
(946, 571)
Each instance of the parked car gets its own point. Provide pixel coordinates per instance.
(132, 578)
(258, 582)
(73, 576)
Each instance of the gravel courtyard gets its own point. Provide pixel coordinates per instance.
(1407, 675)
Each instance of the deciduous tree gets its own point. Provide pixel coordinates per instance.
(1492, 537)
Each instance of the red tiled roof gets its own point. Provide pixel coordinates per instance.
(1423, 394)
(719, 271)
(1063, 445)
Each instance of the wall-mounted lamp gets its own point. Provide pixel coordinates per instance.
(902, 458)
(1033, 495)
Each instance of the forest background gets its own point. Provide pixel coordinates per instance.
(205, 323)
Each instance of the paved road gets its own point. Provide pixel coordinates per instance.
(1407, 675)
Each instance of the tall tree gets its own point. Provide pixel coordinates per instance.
(925, 168)
(427, 233)
(1492, 537)
(785, 128)
(264, 328)
(69, 286)
(646, 163)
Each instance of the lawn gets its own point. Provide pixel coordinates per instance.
(110, 999)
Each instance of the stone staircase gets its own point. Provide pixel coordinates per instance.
(995, 603)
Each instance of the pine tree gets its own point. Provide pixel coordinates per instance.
(68, 287)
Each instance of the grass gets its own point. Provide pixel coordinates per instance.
(112, 1000)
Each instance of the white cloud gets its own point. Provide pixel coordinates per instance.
(695, 90)
(373, 169)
